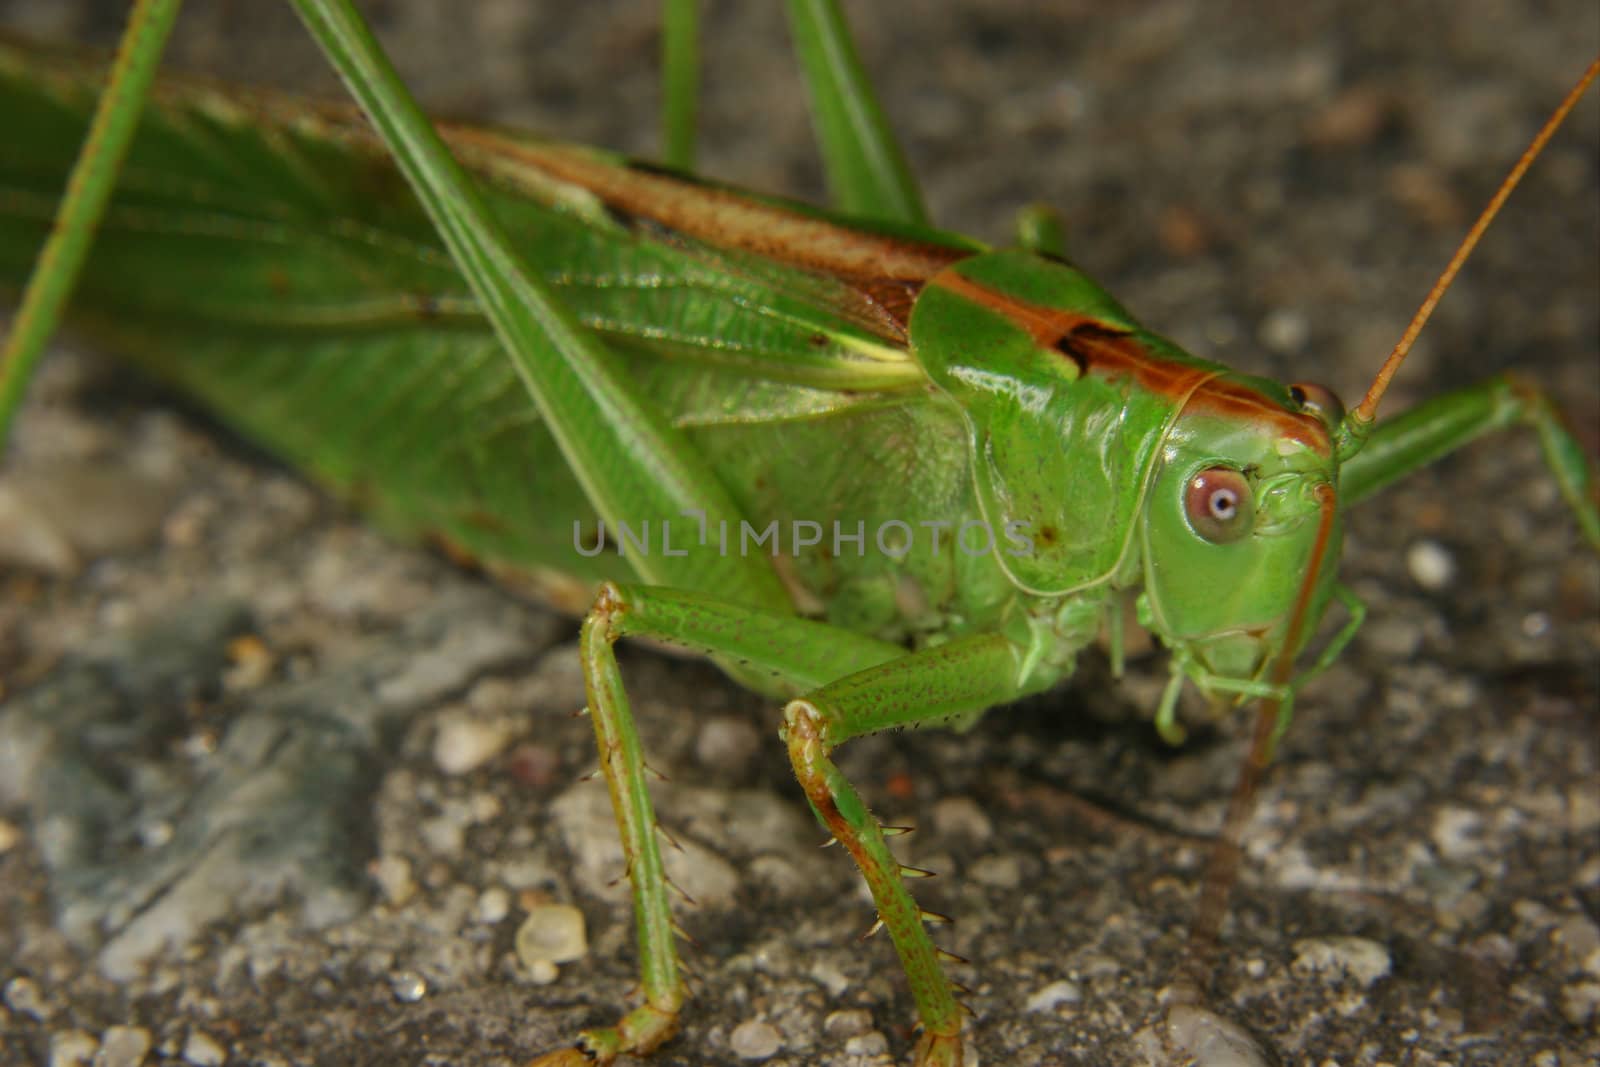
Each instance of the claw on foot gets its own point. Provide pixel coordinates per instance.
(938, 1050)
(567, 1057)
(641, 1031)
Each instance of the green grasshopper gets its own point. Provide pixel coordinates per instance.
(1066, 455)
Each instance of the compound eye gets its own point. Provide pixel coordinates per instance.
(1219, 505)
(1320, 401)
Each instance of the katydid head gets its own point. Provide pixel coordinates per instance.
(1240, 534)
(1120, 458)
(1241, 523)
(1127, 461)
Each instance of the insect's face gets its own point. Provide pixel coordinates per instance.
(1232, 524)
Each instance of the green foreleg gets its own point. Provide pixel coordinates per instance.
(796, 655)
(925, 687)
(1184, 668)
(874, 686)
(1417, 437)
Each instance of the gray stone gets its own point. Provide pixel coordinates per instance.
(554, 933)
(1358, 958)
(72, 1048)
(200, 1049)
(22, 996)
(263, 817)
(755, 1039)
(124, 1046)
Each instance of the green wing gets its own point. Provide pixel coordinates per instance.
(263, 254)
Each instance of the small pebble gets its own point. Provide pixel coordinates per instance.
(1095, 966)
(755, 1040)
(156, 834)
(30, 540)
(494, 904)
(830, 978)
(998, 872)
(1285, 332)
(1053, 996)
(1426, 193)
(124, 1046)
(779, 875)
(1211, 1040)
(199, 744)
(495, 696)
(1580, 1002)
(1359, 958)
(408, 986)
(9, 836)
(554, 933)
(1579, 939)
(440, 670)
(1458, 833)
(72, 1048)
(1394, 638)
(465, 742)
(962, 817)
(485, 807)
(252, 663)
(393, 875)
(523, 873)
(1432, 565)
(445, 835)
(23, 997)
(847, 1022)
(872, 1043)
(1354, 118)
(202, 1051)
(54, 517)
(727, 744)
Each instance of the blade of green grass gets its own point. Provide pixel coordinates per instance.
(680, 81)
(88, 189)
(867, 171)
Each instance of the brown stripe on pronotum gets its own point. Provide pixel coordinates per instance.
(1109, 351)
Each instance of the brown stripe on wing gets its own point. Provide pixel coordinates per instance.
(885, 272)
(1109, 351)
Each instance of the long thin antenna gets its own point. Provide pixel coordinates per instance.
(1365, 411)
(1223, 868)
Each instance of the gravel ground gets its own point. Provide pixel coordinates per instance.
(274, 791)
